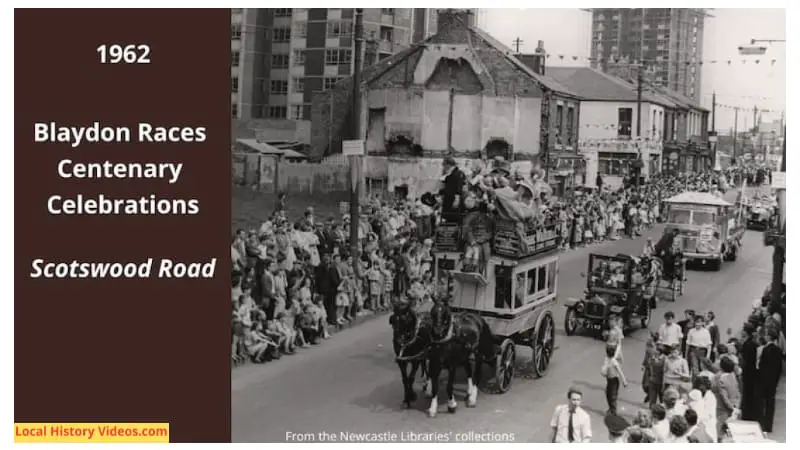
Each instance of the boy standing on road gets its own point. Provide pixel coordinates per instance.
(612, 372)
(686, 324)
(698, 344)
(655, 369)
(615, 336)
(713, 330)
(670, 333)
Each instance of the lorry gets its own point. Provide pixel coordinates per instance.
(710, 230)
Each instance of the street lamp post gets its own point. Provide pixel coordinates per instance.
(779, 252)
(766, 41)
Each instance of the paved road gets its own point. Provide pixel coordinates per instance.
(350, 383)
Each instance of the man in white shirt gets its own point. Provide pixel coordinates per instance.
(670, 333)
(698, 344)
(570, 423)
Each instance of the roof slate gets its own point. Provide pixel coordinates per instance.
(373, 72)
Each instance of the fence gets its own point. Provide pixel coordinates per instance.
(272, 175)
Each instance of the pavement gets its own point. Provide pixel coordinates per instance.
(350, 383)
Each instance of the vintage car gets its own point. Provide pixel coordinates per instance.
(615, 286)
(758, 212)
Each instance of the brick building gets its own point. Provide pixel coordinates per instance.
(459, 92)
(281, 56)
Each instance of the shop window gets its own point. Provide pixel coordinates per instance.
(615, 164)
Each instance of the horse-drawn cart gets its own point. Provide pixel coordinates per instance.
(512, 285)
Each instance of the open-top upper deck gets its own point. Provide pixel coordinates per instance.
(506, 238)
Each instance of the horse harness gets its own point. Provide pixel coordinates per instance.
(461, 333)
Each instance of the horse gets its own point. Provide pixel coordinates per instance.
(411, 338)
(457, 340)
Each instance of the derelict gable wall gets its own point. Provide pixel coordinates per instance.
(423, 117)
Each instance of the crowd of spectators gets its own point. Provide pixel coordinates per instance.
(695, 384)
(295, 282)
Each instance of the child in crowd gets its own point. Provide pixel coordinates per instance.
(258, 345)
(343, 302)
(375, 278)
(388, 284)
(237, 333)
(275, 331)
(320, 316)
(294, 312)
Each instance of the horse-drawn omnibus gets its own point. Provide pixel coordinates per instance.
(511, 285)
(710, 228)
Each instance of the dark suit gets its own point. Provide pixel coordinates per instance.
(324, 246)
(327, 284)
(684, 324)
(713, 330)
(750, 408)
(453, 186)
(770, 367)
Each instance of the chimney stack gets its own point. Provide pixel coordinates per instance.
(539, 58)
(452, 17)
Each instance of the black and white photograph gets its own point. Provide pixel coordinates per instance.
(508, 225)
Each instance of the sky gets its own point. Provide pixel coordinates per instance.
(567, 32)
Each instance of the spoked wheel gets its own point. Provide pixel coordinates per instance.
(570, 322)
(504, 371)
(543, 344)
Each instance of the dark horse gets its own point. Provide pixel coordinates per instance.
(411, 338)
(457, 340)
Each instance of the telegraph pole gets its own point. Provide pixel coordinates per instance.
(735, 131)
(755, 118)
(639, 79)
(517, 43)
(713, 111)
(356, 161)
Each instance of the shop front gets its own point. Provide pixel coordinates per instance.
(654, 164)
(567, 170)
(698, 158)
(614, 159)
(672, 160)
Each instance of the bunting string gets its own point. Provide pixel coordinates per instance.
(730, 61)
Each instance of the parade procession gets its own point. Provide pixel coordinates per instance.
(510, 283)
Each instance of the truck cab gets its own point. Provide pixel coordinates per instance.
(710, 229)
